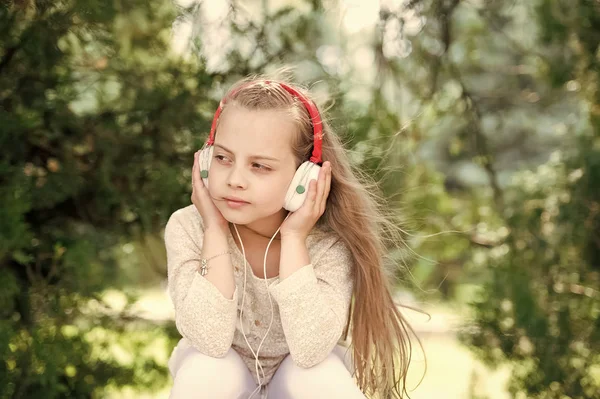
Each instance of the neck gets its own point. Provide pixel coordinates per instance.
(257, 233)
(265, 227)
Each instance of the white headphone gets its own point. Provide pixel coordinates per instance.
(294, 198)
(298, 188)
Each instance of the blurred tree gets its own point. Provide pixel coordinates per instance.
(540, 308)
(478, 111)
(478, 118)
(442, 101)
(96, 122)
(501, 99)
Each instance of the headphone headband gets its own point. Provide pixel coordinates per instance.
(309, 105)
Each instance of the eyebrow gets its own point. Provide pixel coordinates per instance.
(251, 156)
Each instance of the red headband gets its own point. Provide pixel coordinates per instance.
(310, 107)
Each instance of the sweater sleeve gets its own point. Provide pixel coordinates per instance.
(314, 303)
(202, 314)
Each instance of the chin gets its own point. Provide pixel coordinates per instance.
(245, 216)
(236, 216)
(237, 219)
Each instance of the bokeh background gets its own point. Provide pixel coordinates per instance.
(480, 118)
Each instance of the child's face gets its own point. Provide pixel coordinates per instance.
(252, 161)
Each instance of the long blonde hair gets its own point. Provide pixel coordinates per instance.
(380, 341)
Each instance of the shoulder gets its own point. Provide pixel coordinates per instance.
(186, 219)
(325, 245)
(187, 212)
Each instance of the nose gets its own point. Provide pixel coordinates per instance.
(236, 179)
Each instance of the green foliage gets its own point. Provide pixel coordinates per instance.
(540, 307)
(488, 129)
(93, 110)
(98, 124)
(507, 113)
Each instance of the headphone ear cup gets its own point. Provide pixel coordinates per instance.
(205, 158)
(298, 189)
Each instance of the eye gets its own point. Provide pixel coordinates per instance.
(260, 167)
(220, 158)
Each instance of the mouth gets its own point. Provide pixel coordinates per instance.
(234, 202)
(235, 199)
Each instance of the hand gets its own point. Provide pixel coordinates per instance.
(302, 221)
(211, 216)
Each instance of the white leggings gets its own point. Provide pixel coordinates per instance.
(197, 375)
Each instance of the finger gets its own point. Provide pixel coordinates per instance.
(193, 195)
(320, 188)
(312, 192)
(197, 179)
(198, 182)
(327, 188)
(195, 169)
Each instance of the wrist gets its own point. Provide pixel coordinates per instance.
(215, 229)
(293, 236)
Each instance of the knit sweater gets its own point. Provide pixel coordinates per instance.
(310, 306)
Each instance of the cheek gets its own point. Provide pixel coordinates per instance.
(216, 176)
(272, 191)
(285, 184)
(215, 183)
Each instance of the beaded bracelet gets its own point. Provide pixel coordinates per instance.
(204, 263)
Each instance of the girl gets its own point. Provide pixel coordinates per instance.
(260, 188)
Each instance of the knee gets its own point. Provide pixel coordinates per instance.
(331, 365)
(197, 374)
(198, 364)
(316, 381)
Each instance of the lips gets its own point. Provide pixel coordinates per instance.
(235, 199)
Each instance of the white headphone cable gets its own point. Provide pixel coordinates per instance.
(257, 362)
(268, 294)
(242, 313)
